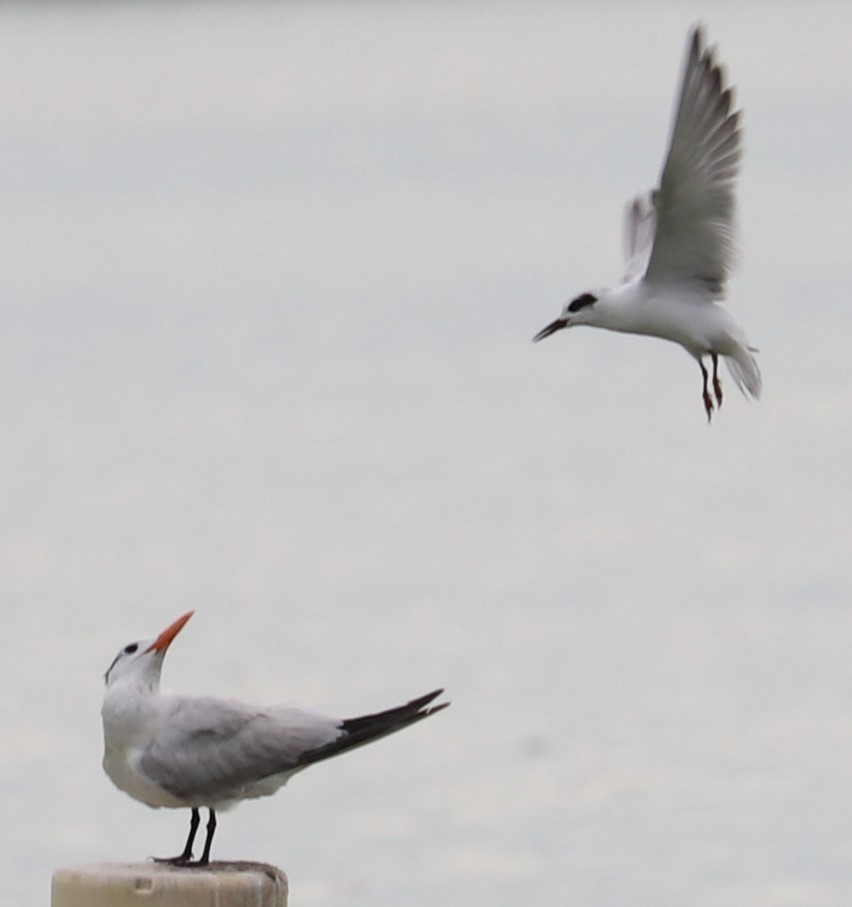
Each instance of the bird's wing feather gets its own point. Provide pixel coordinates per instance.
(640, 221)
(210, 750)
(695, 202)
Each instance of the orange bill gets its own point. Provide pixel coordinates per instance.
(164, 640)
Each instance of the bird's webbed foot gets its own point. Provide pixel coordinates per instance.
(185, 858)
(180, 860)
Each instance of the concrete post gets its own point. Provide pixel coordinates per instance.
(161, 885)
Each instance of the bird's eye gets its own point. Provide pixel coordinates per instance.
(129, 650)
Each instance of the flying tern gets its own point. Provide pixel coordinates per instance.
(171, 751)
(679, 239)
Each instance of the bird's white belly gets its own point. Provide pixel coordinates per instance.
(120, 768)
(700, 326)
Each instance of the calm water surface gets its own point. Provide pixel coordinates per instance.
(270, 278)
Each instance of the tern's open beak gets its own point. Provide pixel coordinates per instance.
(552, 328)
(164, 640)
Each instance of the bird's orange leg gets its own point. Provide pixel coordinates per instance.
(705, 393)
(717, 384)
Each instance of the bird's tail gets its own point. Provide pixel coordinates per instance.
(745, 371)
(358, 731)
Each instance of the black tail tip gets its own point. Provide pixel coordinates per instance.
(422, 702)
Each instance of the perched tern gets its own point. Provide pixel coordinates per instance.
(193, 751)
(679, 239)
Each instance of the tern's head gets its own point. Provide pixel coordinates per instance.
(140, 662)
(580, 310)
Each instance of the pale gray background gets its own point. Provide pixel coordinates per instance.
(270, 274)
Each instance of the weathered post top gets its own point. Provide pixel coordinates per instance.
(160, 885)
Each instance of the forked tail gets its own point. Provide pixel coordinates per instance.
(745, 371)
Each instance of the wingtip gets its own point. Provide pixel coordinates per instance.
(697, 37)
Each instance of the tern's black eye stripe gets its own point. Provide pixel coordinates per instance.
(581, 302)
(129, 650)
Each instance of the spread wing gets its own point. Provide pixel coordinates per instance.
(695, 203)
(640, 224)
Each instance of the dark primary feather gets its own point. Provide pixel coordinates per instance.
(358, 731)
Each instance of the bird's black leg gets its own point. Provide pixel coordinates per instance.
(717, 384)
(211, 827)
(186, 857)
(708, 400)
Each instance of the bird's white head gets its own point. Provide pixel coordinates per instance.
(580, 310)
(139, 663)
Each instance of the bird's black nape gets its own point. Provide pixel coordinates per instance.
(585, 299)
(185, 858)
